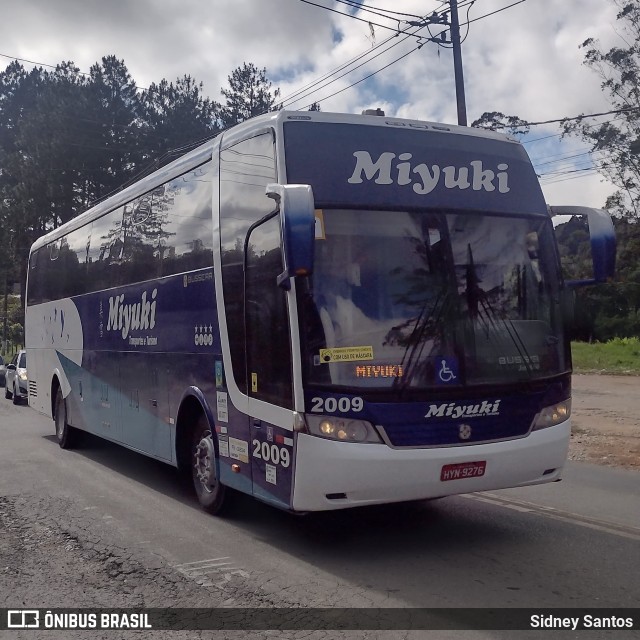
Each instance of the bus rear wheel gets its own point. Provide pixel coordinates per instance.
(67, 436)
(204, 469)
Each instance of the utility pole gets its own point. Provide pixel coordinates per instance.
(441, 39)
(457, 64)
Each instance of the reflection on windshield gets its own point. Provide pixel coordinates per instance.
(413, 300)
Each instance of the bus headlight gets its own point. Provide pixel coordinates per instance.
(343, 429)
(22, 374)
(553, 415)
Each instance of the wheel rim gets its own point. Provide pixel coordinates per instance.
(204, 463)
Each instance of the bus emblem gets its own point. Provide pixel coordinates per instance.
(464, 432)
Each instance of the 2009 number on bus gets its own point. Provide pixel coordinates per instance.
(271, 453)
(333, 405)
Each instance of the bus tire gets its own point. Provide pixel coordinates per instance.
(67, 436)
(7, 393)
(16, 397)
(204, 469)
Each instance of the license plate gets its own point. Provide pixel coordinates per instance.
(463, 470)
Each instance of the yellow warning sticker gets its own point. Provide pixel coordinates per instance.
(346, 354)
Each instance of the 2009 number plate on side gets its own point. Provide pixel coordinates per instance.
(463, 470)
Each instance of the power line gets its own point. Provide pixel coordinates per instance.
(361, 5)
(55, 67)
(568, 119)
(326, 84)
(42, 64)
(349, 15)
(486, 15)
(435, 18)
(368, 76)
(353, 60)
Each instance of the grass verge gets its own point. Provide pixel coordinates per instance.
(620, 356)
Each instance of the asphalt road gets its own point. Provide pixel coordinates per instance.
(102, 526)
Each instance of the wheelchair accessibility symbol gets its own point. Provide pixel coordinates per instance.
(447, 371)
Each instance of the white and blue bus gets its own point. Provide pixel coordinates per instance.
(320, 310)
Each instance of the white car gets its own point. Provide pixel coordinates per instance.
(16, 380)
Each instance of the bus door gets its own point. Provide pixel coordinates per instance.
(268, 355)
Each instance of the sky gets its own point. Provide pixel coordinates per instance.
(522, 60)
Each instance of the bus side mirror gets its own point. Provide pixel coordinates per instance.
(297, 229)
(603, 242)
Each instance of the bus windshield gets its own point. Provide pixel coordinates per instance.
(414, 300)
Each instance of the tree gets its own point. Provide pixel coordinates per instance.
(495, 120)
(177, 114)
(249, 95)
(38, 175)
(113, 106)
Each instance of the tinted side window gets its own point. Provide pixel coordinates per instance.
(106, 250)
(245, 170)
(35, 284)
(59, 269)
(182, 225)
(72, 262)
(165, 231)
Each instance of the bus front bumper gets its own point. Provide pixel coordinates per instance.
(338, 475)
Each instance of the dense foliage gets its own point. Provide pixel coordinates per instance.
(608, 310)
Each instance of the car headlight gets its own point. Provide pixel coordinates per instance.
(343, 429)
(22, 374)
(553, 415)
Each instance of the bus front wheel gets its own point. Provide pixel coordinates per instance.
(67, 436)
(204, 469)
